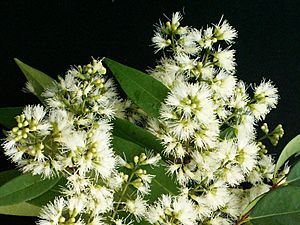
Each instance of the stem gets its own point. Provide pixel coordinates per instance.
(263, 137)
(122, 194)
(230, 117)
(244, 218)
(46, 145)
(173, 43)
(207, 53)
(277, 184)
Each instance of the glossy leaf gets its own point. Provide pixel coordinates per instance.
(39, 80)
(23, 188)
(145, 91)
(227, 133)
(161, 183)
(20, 209)
(50, 194)
(251, 205)
(278, 207)
(8, 114)
(294, 175)
(8, 175)
(292, 148)
(136, 134)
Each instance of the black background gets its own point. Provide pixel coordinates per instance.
(51, 35)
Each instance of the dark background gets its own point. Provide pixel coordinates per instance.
(51, 35)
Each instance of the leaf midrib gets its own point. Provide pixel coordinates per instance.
(29, 187)
(293, 180)
(162, 186)
(270, 215)
(140, 86)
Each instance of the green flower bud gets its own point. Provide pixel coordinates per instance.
(136, 159)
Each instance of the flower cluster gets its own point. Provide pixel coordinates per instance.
(207, 126)
(71, 137)
(73, 133)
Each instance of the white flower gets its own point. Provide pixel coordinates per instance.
(52, 212)
(240, 98)
(266, 98)
(173, 146)
(69, 82)
(187, 45)
(104, 163)
(98, 67)
(207, 136)
(137, 207)
(185, 62)
(225, 32)
(29, 88)
(190, 100)
(226, 150)
(267, 92)
(166, 201)
(259, 110)
(207, 72)
(77, 183)
(73, 140)
(154, 213)
(76, 203)
(115, 181)
(176, 18)
(217, 196)
(207, 41)
(160, 42)
(196, 35)
(225, 59)
(247, 154)
(184, 210)
(207, 164)
(152, 159)
(267, 166)
(224, 85)
(96, 220)
(246, 129)
(62, 119)
(254, 176)
(102, 200)
(233, 175)
(217, 220)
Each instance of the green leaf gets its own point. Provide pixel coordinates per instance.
(161, 183)
(145, 91)
(7, 175)
(50, 194)
(39, 80)
(23, 188)
(227, 133)
(136, 134)
(293, 177)
(290, 149)
(278, 207)
(8, 114)
(251, 205)
(20, 209)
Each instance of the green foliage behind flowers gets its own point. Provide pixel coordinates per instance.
(180, 148)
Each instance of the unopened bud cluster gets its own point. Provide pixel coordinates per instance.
(275, 135)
